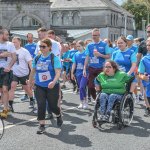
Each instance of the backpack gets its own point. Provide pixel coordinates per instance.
(51, 58)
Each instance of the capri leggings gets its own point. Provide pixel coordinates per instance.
(44, 94)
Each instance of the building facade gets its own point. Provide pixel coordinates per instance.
(69, 16)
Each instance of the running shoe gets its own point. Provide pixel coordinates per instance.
(25, 97)
(59, 121)
(31, 105)
(85, 105)
(80, 106)
(41, 129)
(4, 113)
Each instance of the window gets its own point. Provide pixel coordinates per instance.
(76, 19)
(54, 19)
(65, 19)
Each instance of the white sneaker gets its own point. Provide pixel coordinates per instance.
(85, 106)
(80, 106)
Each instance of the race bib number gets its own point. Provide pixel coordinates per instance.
(80, 66)
(94, 60)
(45, 76)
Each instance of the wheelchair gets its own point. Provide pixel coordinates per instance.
(122, 111)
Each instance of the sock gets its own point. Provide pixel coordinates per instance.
(31, 99)
(26, 95)
(10, 103)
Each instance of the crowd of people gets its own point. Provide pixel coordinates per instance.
(90, 65)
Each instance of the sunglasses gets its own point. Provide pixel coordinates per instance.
(108, 67)
(42, 46)
(148, 31)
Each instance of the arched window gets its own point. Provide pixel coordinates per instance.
(65, 18)
(54, 19)
(76, 19)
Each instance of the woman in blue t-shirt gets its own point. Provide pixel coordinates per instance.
(46, 70)
(77, 69)
(125, 58)
(144, 70)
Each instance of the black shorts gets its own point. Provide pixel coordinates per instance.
(5, 78)
(22, 80)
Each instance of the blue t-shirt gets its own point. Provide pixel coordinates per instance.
(64, 56)
(71, 55)
(31, 48)
(134, 48)
(79, 59)
(102, 47)
(45, 72)
(144, 67)
(124, 59)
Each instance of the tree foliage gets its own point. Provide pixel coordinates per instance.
(138, 9)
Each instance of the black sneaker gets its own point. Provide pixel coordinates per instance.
(31, 105)
(89, 99)
(147, 112)
(41, 129)
(107, 118)
(59, 121)
(74, 88)
(11, 108)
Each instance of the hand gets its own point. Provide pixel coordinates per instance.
(51, 85)
(72, 76)
(7, 69)
(84, 72)
(97, 54)
(146, 77)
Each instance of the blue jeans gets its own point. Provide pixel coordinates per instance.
(108, 99)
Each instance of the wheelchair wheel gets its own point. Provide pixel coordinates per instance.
(126, 110)
(96, 109)
(1, 128)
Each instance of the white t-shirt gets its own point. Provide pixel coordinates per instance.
(56, 48)
(20, 68)
(6, 47)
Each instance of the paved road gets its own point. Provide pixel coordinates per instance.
(76, 133)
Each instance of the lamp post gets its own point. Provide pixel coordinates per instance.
(143, 27)
(125, 25)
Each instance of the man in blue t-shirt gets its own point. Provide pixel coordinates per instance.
(30, 46)
(96, 54)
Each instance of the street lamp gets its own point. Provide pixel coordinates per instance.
(143, 27)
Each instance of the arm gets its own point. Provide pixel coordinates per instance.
(97, 54)
(31, 78)
(57, 75)
(85, 65)
(72, 71)
(13, 56)
(132, 69)
(5, 54)
(139, 56)
(30, 64)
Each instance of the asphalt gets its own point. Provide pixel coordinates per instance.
(77, 132)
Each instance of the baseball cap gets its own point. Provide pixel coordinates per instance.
(130, 38)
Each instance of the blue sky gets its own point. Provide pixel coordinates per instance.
(119, 1)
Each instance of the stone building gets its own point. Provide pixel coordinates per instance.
(73, 15)
(76, 17)
(24, 14)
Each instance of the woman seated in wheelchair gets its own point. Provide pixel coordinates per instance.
(112, 84)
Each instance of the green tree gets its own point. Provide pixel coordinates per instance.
(139, 10)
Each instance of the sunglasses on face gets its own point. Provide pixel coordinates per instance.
(42, 46)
